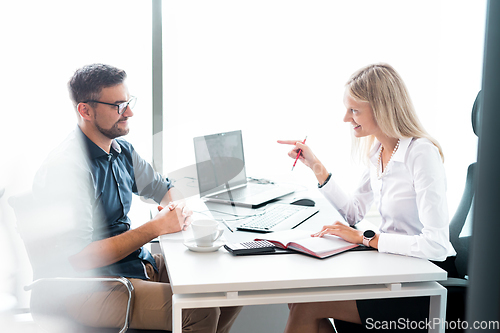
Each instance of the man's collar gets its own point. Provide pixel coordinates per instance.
(94, 150)
(116, 146)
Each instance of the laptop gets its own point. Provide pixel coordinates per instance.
(222, 178)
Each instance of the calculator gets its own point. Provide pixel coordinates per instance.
(252, 247)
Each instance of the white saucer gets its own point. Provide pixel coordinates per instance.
(193, 247)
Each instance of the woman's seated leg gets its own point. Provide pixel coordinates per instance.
(313, 317)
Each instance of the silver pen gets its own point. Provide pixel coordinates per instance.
(227, 226)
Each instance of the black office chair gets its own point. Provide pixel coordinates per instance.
(44, 314)
(456, 286)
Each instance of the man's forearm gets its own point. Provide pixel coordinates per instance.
(172, 195)
(110, 250)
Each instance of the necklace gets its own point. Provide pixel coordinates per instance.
(379, 163)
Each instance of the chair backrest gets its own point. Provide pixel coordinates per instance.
(40, 240)
(9, 276)
(476, 112)
(461, 244)
(25, 210)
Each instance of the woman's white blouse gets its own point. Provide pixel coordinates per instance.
(411, 198)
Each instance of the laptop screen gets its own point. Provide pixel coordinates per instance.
(220, 162)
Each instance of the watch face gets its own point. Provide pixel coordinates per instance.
(369, 234)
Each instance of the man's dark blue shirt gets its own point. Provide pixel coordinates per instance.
(114, 183)
(98, 188)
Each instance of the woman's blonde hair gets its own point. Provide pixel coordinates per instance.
(382, 87)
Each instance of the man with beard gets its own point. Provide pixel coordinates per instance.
(88, 182)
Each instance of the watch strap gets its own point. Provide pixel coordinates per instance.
(326, 181)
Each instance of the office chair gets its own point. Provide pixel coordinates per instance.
(456, 286)
(7, 292)
(42, 314)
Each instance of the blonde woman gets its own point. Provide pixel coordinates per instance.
(405, 178)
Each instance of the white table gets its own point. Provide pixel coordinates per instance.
(219, 279)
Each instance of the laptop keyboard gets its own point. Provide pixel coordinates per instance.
(272, 217)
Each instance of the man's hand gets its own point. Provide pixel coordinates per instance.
(176, 218)
(110, 250)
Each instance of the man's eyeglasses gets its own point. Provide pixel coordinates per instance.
(120, 107)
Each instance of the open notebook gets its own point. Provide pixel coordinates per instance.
(301, 241)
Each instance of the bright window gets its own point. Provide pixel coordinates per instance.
(276, 70)
(42, 44)
(45, 42)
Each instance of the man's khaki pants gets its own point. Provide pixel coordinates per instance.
(152, 308)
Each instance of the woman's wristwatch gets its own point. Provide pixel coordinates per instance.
(368, 235)
(326, 181)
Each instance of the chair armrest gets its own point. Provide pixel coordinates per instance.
(122, 280)
(454, 282)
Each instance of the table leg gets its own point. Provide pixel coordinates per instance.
(176, 315)
(437, 312)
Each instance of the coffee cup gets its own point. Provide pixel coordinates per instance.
(206, 232)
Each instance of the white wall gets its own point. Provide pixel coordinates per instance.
(276, 69)
(42, 43)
